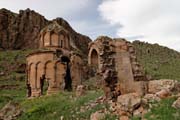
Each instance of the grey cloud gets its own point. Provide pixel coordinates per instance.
(155, 21)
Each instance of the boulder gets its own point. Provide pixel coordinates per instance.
(130, 101)
(150, 98)
(164, 93)
(97, 116)
(80, 90)
(124, 118)
(155, 86)
(176, 104)
(138, 112)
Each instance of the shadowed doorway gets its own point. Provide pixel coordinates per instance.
(67, 78)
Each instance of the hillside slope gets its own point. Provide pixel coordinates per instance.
(158, 61)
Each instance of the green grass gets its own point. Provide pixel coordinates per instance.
(164, 111)
(158, 61)
(10, 60)
(63, 104)
(12, 94)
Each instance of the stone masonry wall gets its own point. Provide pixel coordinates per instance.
(118, 67)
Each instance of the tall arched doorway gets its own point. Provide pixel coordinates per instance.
(94, 58)
(67, 78)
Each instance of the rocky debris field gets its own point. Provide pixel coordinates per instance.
(132, 105)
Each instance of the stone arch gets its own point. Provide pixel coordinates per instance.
(60, 72)
(47, 37)
(94, 57)
(28, 72)
(32, 79)
(76, 70)
(45, 65)
(67, 77)
(54, 39)
(40, 72)
(61, 40)
(41, 42)
(67, 42)
(49, 73)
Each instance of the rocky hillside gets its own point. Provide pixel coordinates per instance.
(158, 61)
(21, 31)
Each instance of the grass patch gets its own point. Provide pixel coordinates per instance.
(164, 111)
(158, 61)
(10, 60)
(15, 91)
(63, 104)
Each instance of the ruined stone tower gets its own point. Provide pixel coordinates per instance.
(115, 61)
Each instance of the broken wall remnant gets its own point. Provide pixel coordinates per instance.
(117, 65)
(61, 67)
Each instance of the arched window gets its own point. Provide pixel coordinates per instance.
(60, 43)
(94, 58)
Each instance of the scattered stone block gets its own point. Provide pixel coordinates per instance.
(176, 104)
(80, 90)
(97, 116)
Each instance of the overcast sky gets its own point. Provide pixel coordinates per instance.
(154, 21)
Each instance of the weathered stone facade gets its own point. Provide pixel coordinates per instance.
(54, 63)
(54, 36)
(116, 63)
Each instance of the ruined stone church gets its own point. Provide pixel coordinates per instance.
(57, 64)
(54, 61)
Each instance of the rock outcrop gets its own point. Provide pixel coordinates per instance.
(176, 104)
(21, 31)
(163, 86)
(97, 116)
(80, 90)
(129, 105)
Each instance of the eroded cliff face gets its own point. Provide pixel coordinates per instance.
(6, 18)
(21, 31)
